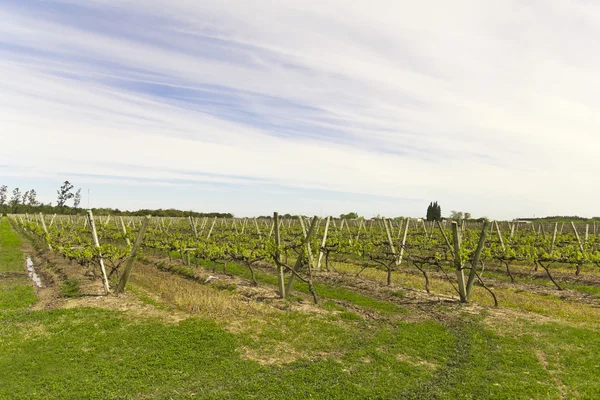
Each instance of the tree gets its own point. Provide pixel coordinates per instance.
(438, 211)
(64, 194)
(467, 215)
(351, 215)
(434, 212)
(457, 215)
(77, 198)
(32, 198)
(15, 199)
(25, 197)
(3, 191)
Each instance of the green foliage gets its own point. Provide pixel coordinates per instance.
(3, 194)
(434, 212)
(351, 215)
(64, 194)
(77, 198)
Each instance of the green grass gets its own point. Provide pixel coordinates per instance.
(69, 288)
(99, 354)
(144, 298)
(15, 292)
(16, 296)
(11, 257)
(572, 354)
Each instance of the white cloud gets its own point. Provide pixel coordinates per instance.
(485, 107)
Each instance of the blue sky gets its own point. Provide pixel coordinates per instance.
(313, 107)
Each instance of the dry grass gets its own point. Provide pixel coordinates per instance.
(278, 354)
(419, 362)
(192, 297)
(546, 301)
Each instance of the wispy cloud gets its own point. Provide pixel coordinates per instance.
(485, 107)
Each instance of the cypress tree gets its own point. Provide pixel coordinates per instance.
(434, 212)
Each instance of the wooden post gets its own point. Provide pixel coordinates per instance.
(400, 230)
(299, 260)
(45, 231)
(476, 258)
(391, 225)
(193, 226)
(587, 232)
(272, 227)
(399, 261)
(500, 236)
(543, 230)
(97, 245)
(204, 223)
(460, 276)
(445, 236)
(308, 250)
(131, 259)
(360, 226)
(257, 228)
(211, 228)
(323, 242)
(124, 230)
(389, 236)
(578, 239)
(554, 237)
(280, 276)
(349, 233)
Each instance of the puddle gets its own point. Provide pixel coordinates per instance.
(32, 274)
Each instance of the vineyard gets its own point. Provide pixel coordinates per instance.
(462, 254)
(301, 308)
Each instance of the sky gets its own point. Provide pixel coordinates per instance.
(305, 107)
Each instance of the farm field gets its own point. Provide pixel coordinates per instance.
(375, 309)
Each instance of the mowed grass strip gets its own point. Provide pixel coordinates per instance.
(15, 290)
(324, 292)
(11, 256)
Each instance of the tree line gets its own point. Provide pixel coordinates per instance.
(68, 203)
(27, 202)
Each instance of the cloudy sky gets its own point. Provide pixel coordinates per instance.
(314, 107)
